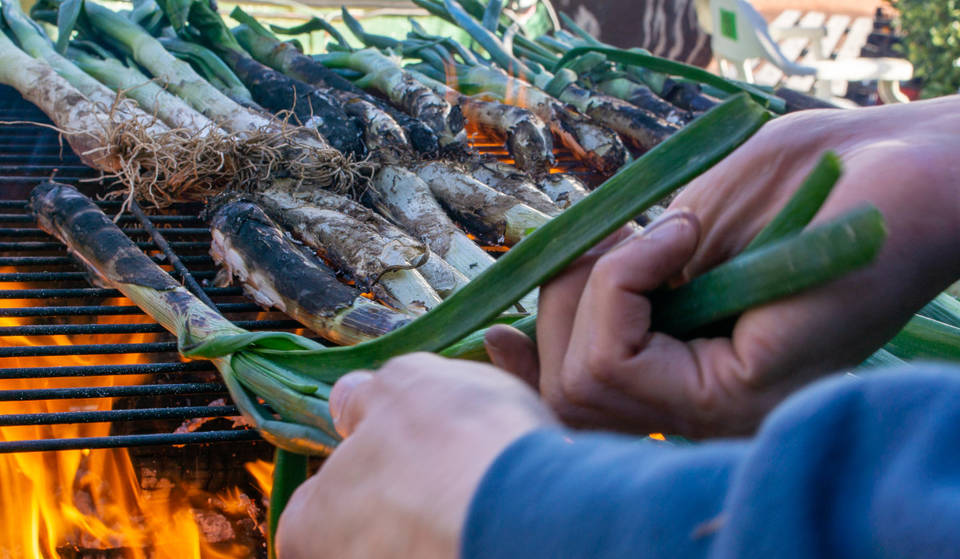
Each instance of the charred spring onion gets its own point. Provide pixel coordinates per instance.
(443, 277)
(405, 198)
(287, 59)
(82, 122)
(375, 263)
(386, 76)
(109, 254)
(277, 273)
(496, 216)
(529, 140)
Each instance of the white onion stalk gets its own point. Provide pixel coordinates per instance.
(501, 218)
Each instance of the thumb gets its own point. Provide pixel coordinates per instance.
(513, 351)
(348, 401)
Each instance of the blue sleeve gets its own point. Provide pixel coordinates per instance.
(850, 467)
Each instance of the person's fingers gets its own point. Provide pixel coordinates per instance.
(613, 320)
(614, 311)
(514, 352)
(559, 299)
(348, 401)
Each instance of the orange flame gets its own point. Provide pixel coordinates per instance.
(262, 472)
(78, 500)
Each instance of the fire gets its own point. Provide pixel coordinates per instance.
(83, 502)
(262, 471)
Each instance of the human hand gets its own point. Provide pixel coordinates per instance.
(598, 365)
(419, 435)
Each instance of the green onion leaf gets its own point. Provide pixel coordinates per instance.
(926, 338)
(804, 204)
(663, 65)
(771, 272)
(289, 471)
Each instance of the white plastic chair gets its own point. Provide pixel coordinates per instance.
(740, 36)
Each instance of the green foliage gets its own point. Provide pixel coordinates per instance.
(932, 42)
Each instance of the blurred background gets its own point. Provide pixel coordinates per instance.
(811, 43)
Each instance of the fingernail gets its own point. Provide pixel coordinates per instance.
(667, 225)
(342, 390)
(493, 351)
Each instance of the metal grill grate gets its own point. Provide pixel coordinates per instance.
(45, 295)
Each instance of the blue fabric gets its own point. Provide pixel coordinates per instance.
(850, 467)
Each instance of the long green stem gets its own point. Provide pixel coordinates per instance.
(173, 73)
(150, 96)
(489, 41)
(804, 204)
(289, 471)
(770, 272)
(881, 358)
(658, 64)
(472, 347)
(210, 63)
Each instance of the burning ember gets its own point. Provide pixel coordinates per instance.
(91, 503)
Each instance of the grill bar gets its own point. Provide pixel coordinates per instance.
(123, 441)
(105, 370)
(22, 204)
(87, 349)
(112, 310)
(73, 329)
(105, 416)
(41, 245)
(62, 260)
(112, 391)
(171, 256)
(27, 218)
(34, 232)
(24, 277)
(73, 179)
(93, 292)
